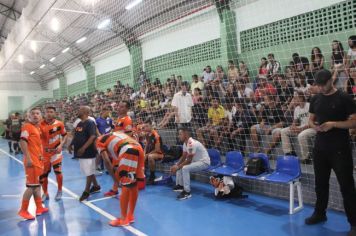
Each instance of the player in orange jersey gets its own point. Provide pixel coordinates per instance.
(124, 159)
(123, 124)
(31, 147)
(53, 138)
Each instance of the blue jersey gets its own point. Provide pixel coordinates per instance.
(104, 125)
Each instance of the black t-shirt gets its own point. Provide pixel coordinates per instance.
(83, 131)
(285, 94)
(336, 107)
(272, 116)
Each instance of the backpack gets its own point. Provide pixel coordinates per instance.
(172, 153)
(255, 166)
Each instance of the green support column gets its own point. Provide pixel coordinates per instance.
(228, 32)
(90, 74)
(63, 88)
(135, 50)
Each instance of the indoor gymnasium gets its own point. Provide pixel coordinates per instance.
(178, 117)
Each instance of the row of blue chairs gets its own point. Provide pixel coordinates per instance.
(287, 171)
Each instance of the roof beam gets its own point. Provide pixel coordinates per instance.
(9, 12)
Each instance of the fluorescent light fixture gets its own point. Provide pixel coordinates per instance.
(32, 72)
(33, 46)
(20, 59)
(81, 40)
(55, 25)
(65, 50)
(52, 59)
(133, 4)
(104, 24)
(42, 66)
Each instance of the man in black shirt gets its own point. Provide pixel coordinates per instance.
(332, 114)
(84, 149)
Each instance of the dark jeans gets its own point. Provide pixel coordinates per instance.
(341, 162)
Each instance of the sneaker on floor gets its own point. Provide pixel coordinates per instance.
(130, 219)
(352, 232)
(58, 196)
(315, 219)
(95, 189)
(10, 151)
(40, 211)
(119, 222)
(26, 215)
(178, 188)
(85, 196)
(45, 197)
(184, 195)
(111, 193)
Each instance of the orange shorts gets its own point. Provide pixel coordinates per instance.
(33, 174)
(54, 161)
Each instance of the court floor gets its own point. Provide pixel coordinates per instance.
(157, 213)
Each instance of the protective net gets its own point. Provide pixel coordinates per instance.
(243, 70)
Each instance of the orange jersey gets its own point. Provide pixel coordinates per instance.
(153, 139)
(124, 124)
(32, 135)
(51, 136)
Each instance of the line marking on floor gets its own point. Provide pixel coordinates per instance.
(10, 196)
(88, 204)
(101, 199)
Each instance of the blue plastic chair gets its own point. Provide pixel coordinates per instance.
(287, 170)
(215, 160)
(265, 159)
(234, 163)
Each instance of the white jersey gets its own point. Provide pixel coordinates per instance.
(302, 115)
(198, 151)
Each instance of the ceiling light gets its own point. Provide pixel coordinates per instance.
(32, 72)
(55, 25)
(33, 46)
(42, 66)
(65, 50)
(81, 40)
(52, 59)
(104, 24)
(20, 59)
(133, 4)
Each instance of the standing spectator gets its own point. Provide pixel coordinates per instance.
(8, 131)
(196, 83)
(317, 60)
(337, 62)
(195, 158)
(183, 103)
(243, 70)
(299, 128)
(84, 149)
(233, 72)
(351, 54)
(15, 128)
(273, 66)
(208, 75)
(262, 70)
(219, 76)
(351, 82)
(332, 114)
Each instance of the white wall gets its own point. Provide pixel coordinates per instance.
(74, 75)
(53, 84)
(113, 60)
(29, 98)
(199, 28)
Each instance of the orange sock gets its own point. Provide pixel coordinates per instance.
(38, 202)
(59, 178)
(24, 205)
(133, 200)
(45, 185)
(115, 187)
(124, 201)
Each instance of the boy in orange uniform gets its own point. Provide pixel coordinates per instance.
(126, 168)
(31, 147)
(53, 138)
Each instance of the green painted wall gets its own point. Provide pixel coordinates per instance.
(56, 94)
(109, 79)
(77, 88)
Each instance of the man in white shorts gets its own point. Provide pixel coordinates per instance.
(195, 158)
(84, 150)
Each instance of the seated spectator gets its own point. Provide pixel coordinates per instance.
(197, 96)
(216, 114)
(219, 76)
(208, 75)
(337, 62)
(153, 149)
(299, 128)
(244, 92)
(285, 91)
(196, 83)
(264, 88)
(301, 84)
(273, 66)
(351, 54)
(351, 82)
(243, 69)
(195, 158)
(272, 120)
(317, 60)
(233, 72)
(262, 70)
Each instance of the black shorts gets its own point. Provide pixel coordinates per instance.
(16, 136)
(7, 135)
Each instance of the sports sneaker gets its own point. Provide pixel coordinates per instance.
(184, 195)
(352, 232)
(95, 189)
(130, 219)
(40, 211)
(315, 219)
(58, 196)
(45, 197)
(111, 193)
(85, 196)
(119, 222)
(26, 215)
(178, 188)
